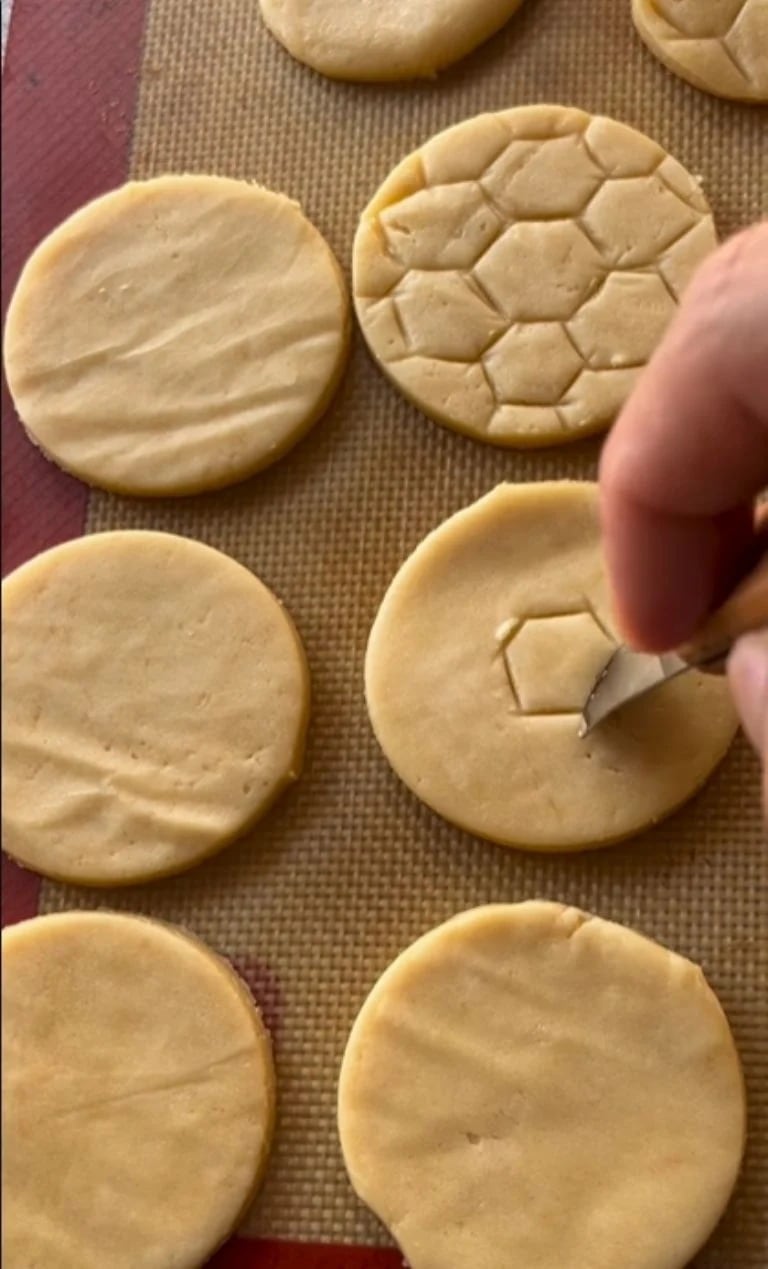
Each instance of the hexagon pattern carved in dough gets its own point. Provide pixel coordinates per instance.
(552, 662)
(720, 46)
(520, 257)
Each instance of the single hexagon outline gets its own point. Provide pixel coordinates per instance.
(406, 293)
(616, 255)
(526, 335)
(577, 325)
(508, 634)
(457, 222)
(497, 265)
(512, 207)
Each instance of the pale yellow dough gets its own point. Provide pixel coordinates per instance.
(138, 1095)
(155, 703)
(530, 1086)
(513, 275)
(175, 335)
(720, 46)
(480, 659)
(383, 39)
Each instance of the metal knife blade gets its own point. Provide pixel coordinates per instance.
(630, 674)
(626, 676)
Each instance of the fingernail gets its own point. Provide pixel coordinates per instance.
(748, 674)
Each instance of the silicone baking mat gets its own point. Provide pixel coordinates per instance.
(350, 867)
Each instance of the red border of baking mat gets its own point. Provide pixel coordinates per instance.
(70, 87)
(69, 96)
(243, 1254)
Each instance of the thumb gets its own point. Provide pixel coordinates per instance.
(748, 675)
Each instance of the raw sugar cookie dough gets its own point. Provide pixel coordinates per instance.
(138, 1095)
(720, 46)
(177, 334)
(155, 704)
(481, 658)
(383, 39)
(514, 275)
(527, 1085)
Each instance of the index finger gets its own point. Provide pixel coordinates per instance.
(689, 453)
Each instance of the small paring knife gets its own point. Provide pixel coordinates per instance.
(628, 675)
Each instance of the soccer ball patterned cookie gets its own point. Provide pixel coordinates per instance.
(720, 46)
(513, 275)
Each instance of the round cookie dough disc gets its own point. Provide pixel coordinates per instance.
(720, 47)
(175, 335)
(138, 1095)
(527, 1085)
(155, 704)
(481, 658)
(513, 275)
(383, 39)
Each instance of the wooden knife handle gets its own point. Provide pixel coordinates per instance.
(745, 610)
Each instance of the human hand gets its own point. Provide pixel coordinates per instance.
(683, 465)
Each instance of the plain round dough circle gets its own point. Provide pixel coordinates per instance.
(383, 39)
(720, 47)
(138, 1095)
(155, 704)
(177, 334)
(480, 659)
(513, 275)
(527, 1085)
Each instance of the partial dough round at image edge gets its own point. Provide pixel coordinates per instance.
(138, 1093)
(176, 335)
(720, 47)
(379, 40)
(155, 704)
(514, 274)
(481, 658)
(527, 1084)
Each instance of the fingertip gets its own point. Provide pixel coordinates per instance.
(748, 676)
(661, 571)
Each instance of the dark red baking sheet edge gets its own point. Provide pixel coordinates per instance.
(69, 96)
(70, 87)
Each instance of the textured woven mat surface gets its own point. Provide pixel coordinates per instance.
(349, 867)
